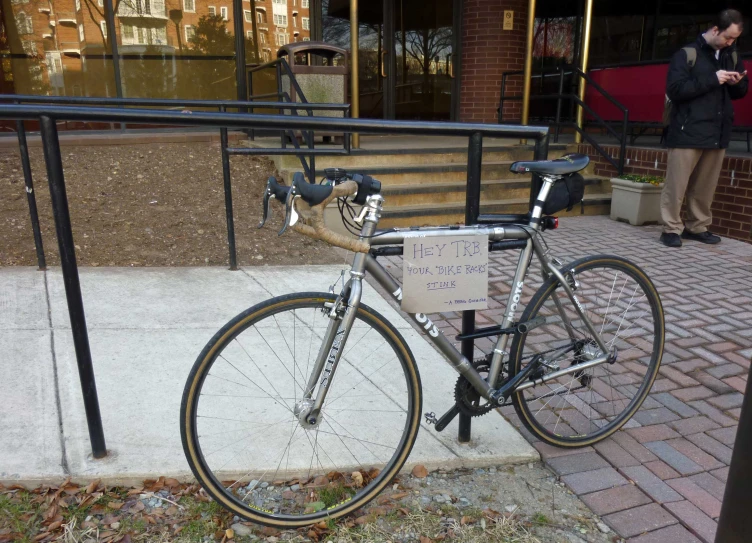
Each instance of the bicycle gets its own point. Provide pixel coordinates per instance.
(306, 406)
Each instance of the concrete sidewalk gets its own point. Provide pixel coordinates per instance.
(146, 328)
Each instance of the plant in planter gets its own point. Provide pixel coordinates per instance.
(636, 199)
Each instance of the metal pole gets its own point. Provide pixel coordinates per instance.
(354, 84)
(735, 522)
(223, 143)
(61, 213)
(472, 210)
(623, 146)
(584, 65)
(30, 196)
(501, 98)
(557, 128)
(109, 14)
(527, 78)
(238, 27)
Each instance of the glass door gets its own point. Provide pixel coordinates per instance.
(424, 46)
(407, 55)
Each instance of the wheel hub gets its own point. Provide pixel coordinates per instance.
(303, 410)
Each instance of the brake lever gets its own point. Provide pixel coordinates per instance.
(291, 216)
(267, 205)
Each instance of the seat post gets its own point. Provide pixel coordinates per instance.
(537, 211)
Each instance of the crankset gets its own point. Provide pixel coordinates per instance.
(467, 398)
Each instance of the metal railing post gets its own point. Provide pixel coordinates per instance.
(735, 522)
(223, 143)
(501, 97)
(623, 147)
(472, 210)
(31, 198)
(60, 211)
(557, 127)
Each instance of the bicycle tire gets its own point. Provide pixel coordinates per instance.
(303, 311)
(584, 418)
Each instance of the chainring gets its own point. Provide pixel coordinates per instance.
(467, 398)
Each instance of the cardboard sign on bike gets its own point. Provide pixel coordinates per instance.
(445, 273)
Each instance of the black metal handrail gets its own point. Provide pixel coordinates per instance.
(48, 115)
(574, 99)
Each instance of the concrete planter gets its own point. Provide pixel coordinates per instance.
(635, 203)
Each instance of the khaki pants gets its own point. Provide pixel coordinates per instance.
(694, 173)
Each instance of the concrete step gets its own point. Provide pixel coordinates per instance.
(498, 189)
(362, 158)
(400, 174)
(454, 213)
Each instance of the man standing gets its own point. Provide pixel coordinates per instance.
(702, 80)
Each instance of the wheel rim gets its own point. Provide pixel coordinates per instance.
(589, 405)
(260, 460)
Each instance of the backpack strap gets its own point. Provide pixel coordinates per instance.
(692, 56)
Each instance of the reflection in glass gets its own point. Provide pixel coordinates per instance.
(166, 48)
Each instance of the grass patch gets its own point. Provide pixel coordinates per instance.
(332, 495)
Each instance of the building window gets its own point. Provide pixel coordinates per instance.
(294, 20)
(19, 1)
(127, 34)
(306, 23)
(189, 33)
(78, 5)
(212, 11)
(189, 6)
(280, 2)
(249, 34)
(304, 4)
(30, 48)
(23, 23)
(306, 39)
(262, 37)
(103, 26)
(80, 32)
(223, 12)
(261, 17)
(100, 3)
(280, 20)
(281, 38)
(248, 16)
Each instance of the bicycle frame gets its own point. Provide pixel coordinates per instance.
(343, 314)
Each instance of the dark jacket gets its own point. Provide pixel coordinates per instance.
(702, 113)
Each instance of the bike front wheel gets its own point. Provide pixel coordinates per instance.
(246, 444)
(586, 406)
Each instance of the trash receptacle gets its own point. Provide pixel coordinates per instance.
(321, 72)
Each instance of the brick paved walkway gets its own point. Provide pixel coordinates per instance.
(662, 478)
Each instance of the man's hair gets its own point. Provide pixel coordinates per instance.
(728, 17)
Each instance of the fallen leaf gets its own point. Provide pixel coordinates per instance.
(466, 520)
(54, 526)
(230, 533)
(92, 486)
(420, 471)
(115, 505)
(399, 495)
(172, 510)
(424, 539)
(357, 478)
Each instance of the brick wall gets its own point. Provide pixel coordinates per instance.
(732, 205)
(487, 52)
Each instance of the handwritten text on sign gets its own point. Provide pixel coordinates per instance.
(445, 273)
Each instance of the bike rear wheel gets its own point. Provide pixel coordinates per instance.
(586, 406)
(240, 432)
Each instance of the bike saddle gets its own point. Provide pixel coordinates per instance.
(573, 162)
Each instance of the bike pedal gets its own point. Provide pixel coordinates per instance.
(431, 418)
